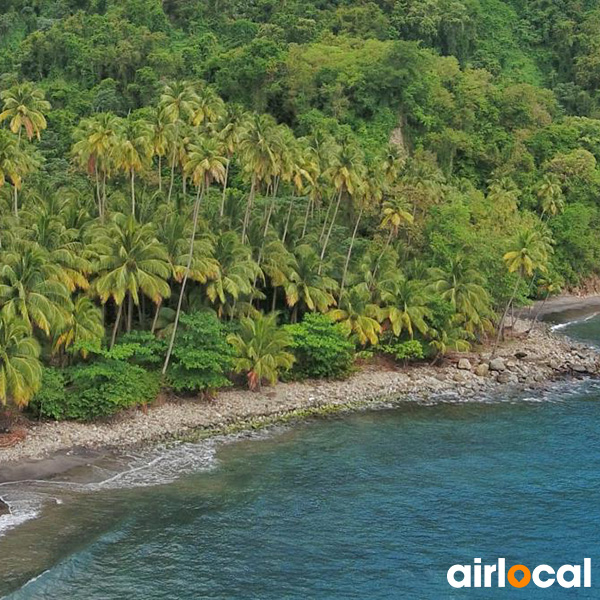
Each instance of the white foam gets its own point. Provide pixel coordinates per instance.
(574, 322)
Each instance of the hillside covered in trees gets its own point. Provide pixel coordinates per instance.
(191, 189)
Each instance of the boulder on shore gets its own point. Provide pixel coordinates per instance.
(4, 508)
(464, 364)
(482, 370)
(497, 364)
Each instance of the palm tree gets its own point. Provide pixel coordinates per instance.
(551, 197)
(462, 286)
(405, 306)
(235, 121)
(395, 214)
(179, 102)
(305, 286)
(162, 138)
(32, 289)
(94, 150)
(549, 285)
(205, 165)
(529, 254)
(359, 316)
(259, 151)
(84, 328)
(20, 368)
(25, 107)
(209, 107)
(133, 150)
(237, 272)
(129, 260)
(12, 165)
(347, 175)
(261, 349)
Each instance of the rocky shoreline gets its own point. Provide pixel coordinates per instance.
(527, 362)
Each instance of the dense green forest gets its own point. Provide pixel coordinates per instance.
(194, 191)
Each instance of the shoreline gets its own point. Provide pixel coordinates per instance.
(52, 448)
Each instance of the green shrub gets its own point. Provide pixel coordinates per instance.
(202, 358)
(141, 348)
(92, 390)
(51, 400)
(321, 347)
(104, 387)
(405, 352)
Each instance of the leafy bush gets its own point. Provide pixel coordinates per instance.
(104, 387)
(141, 348)
(411, 350)
(202, 358)
(321, 347)
(51, 400)
(92, 390)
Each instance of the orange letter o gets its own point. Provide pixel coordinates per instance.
(514, 581)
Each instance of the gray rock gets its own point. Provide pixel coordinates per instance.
(520, 355)
(4, 508)
(579, 368)
(507, 378)
(482, 370)
(464, 364)
(497, 364)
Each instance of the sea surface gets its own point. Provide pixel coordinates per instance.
(375, 505)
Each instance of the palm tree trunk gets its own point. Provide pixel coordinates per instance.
(248, 208)
(537, 314)
(155, 320)
(133, 192)
(271, 208)
(172, 178)
(129, 312)
(222, 209)
(387, 245)
(274, 302)
(116, 325)
(504, 315)
(349, 255)
(287, 219)
(326, 220)
(308, 207)
(16, 202)
(185, 277)
(326, 242)
(98, 192)
(103, 194)
(159, 173)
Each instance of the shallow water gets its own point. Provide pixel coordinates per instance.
(373, 506)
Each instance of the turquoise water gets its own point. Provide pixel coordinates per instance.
(371, 506)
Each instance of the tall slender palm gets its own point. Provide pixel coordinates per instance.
(179, 102)
(20, 368)
(24, 106)
(162, 137)
(209, 107)
(530, 253)
(12, 164)
(551, 197)
(94, 149)
(234, 123)
(133, 150)
(259, 155)
(32, 289)
(130, 260)
(395, 215)
(205, 165)
(346, 174)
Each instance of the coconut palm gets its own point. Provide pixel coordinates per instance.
(94, 149)
(359, 316)
(83, 328)
(462, 286)
(551, 197)
(305, 287)
(205, 165)
(405, 306)
(395, 215)
(130, 262)
(12, 164)
(20, 368)
(237, 272)
(25, 107)
(530, 253)
(209, 107)
(179, 102)
(261, 349)
(162, 137)
(133, 150)
(347, 176)
(259, 154)
(32, 289)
